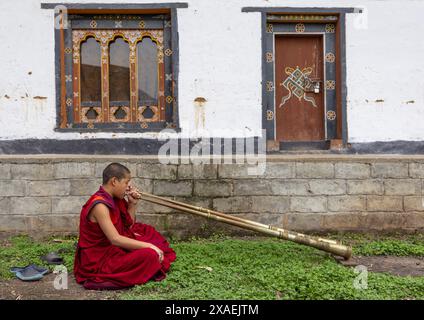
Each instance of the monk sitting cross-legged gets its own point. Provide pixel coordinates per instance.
(113, 250)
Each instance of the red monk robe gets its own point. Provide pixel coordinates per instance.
(101, 265)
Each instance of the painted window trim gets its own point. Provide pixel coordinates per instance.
(115, 6)
(112, 9)
(104, 36)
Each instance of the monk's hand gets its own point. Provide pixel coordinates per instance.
(133, 195)
(158, 251)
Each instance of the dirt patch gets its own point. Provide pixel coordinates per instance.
(398, 266)
(44, 290)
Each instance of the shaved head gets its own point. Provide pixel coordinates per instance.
(115, 170)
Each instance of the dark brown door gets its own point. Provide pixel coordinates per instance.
(299, 104)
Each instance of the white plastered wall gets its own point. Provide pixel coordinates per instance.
(220, 60)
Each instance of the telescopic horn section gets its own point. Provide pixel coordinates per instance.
(327, 245)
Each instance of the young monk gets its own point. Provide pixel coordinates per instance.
(113, 250)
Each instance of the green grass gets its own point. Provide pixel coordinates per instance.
(21, 251)
(254, 268)
(394, 245)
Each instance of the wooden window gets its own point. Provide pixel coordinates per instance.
(118, 73)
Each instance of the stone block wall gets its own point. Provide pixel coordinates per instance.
(312, 193)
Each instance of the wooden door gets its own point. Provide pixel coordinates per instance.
(299, 95)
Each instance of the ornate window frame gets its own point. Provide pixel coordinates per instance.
(76, 22)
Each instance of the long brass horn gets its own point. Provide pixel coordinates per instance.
(327, 245)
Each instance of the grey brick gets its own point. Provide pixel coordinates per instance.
(349, 170)
(233, 171)
(274, 204)
(49, 188)
(32, 171)
(132, 166)
(384, 203)
(5, 171)
(192, 225)
(64, 223)
(308, 204)
(157, 171)
(327, 187)
(340, 222)
(4, 205)
(347, 203)
(84, 187)
(30, 205)
(416, 170)
(158, 221)
(212, 188)
(54, 223)
(365, 187)
(233, 204)
(41, 223)
(99, 167)
(314, 170)
(68, 205)
(289, 187)
(280, 170)
(382, 221)
(272, 170)
(201, 171)
(144, 185)
(402, 187)
(302, 221)
(252, 187)
(413, 203)
(389, 170)
(13, 223)
(414, 221)
(12, 188)
(74, 170)
(172, 188)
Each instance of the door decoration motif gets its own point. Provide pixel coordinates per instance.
(297, 83)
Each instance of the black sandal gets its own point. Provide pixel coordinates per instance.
(52, 258)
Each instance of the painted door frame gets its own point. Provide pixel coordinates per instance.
(322, 34)
(341, 92)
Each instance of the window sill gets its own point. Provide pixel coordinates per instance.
(127, 128)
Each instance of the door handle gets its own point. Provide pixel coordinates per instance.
(314, 86)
